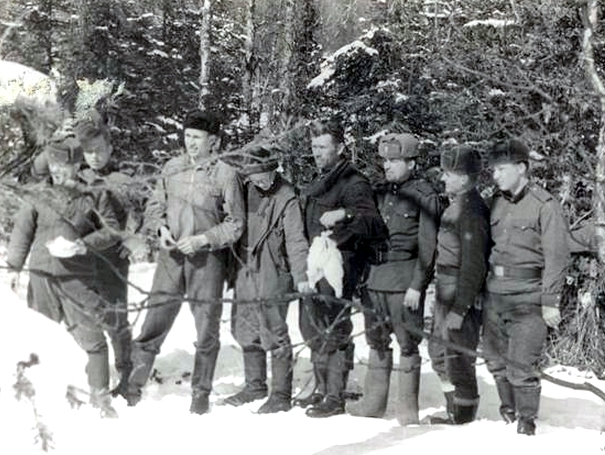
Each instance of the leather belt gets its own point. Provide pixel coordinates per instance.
(447, 270)
(502, 271)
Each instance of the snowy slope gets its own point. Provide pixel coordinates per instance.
(570, 421)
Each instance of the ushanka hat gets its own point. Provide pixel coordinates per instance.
(203, 120)
(258, 158)
(398, 146)
(510, 151)
(461, 159)
(64, 147)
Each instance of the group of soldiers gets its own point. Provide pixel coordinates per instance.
(499, 266)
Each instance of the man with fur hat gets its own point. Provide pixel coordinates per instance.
(463, 245)
(527, 272)
(410, 208)
(63, 226)
(272, 256)
(101, 174)
(197, 210)
(340, 200)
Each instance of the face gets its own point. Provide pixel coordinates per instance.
(198, 143)
(455, 182)
(508, 176)
(262, 180)
(397, 170)
(97, 152)
(62, 173)
(325, 151)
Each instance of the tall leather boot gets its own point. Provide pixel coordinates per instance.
(409, 385)
(280, 398)
(201, 380)
(527, 399)
(376, 386)
(142, 362)
(507, 399)
(465, 410)
(320, 376)
(333, 402)
(255, 374)
(121, 341)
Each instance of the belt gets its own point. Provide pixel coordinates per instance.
(399, 256)
(447, 270)
(502, 271)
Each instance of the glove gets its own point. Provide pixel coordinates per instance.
(166, 240)
(551, 316)
(453, 321)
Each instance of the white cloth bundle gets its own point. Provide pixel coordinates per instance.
(325, 261)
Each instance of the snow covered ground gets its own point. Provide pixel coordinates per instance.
(570, 421)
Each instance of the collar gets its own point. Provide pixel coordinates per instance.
(514, 198)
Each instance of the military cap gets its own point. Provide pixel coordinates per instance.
(203, 120)
(257, 158)
(510, 151)
(462, 159)
(63, 148)
(90, 124)
(398, 146)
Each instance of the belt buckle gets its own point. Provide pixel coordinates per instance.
(499, 271)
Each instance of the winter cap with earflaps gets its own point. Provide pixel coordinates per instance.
(202, 120)
(394, 146)
(258, 158)
(510, 151)
(462, 159)
(63, 146)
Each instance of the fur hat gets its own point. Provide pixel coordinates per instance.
(462, 159)
(398, 146)
(63, 148)
(258, 158)
(510, 151)
(203, 120)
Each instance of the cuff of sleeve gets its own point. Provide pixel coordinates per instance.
(553, 300)
(212, 240)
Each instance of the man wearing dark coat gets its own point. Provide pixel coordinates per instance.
(463, 245)
(272, 257)
(63, 226)
(396, 289)
(339, 199)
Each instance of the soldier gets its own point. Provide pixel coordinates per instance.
(410, 207)
(101, 174)
(273, 254)
(462, 254)
(527, 272)
(64, 226)
(197, 211)
(339, 199)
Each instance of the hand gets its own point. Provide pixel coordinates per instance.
(13, 280)
(412, 299)
(304, 288)
(191, 244)
(135, 247)
(329, 219)
(551, 316)
(453, 321)
(166, 240)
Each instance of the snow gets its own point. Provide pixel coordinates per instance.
(17, 79)
(497, 23)
(570, 420)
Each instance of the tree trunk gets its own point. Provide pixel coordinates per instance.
(205, 52)
(250, 95)
(590, 18)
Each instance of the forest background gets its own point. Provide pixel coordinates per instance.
(450, 72)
